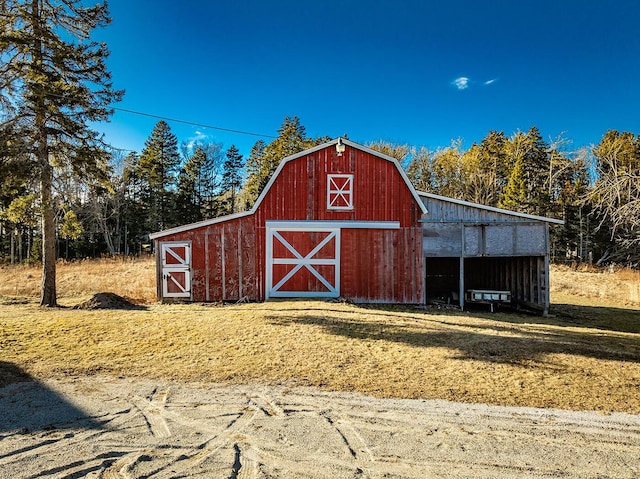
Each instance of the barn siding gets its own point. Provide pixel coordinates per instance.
(229, 257)
(486, 239)
(300, 191)
(382, 266)
(224, 263)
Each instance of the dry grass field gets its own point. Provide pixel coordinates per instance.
(586, 356)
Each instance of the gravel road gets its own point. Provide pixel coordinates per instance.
(103, 427)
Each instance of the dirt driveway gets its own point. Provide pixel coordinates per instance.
(122, 428)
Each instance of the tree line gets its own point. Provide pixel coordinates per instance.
(596, 190)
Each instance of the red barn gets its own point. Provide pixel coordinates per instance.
(337, 220)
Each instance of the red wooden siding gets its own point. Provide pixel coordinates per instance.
(375, 265)
(379, 191)
(226, 260)
(382, 266)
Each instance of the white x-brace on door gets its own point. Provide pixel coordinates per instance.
(176, 270)
(303, 261)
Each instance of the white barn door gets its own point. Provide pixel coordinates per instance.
(303, 261)
(176, 270)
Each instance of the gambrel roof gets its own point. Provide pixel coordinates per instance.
(283, 163)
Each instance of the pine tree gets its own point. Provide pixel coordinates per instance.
(189, 201)
(199, 182)
(264, 159)
(157, 170)
(515, 193)
(196, 187)
(232, 176)
(253, 167)
(53, 81)
(527, 189)
(291, 139)
(494, 165)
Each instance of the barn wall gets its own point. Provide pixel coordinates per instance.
(226, 260)
(440, 210)
(382, 266)
(300, 190)
(497, 239)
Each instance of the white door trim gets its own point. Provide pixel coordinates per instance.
(171, 271)
(305, 225)
(308, 261)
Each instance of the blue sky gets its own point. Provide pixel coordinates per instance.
(417, 72)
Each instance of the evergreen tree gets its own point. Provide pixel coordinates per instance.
(189, 202)
(291, 139)
(494, 166)
(515, 193)
(527, 189)
(253, 168)
(133, 208)
(263, 162)
(232, 176)
(53, 82)
(157, 171)
(199, 182)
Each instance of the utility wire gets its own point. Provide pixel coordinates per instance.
(159, 117)
(192, 123)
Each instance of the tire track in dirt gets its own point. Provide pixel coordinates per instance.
(258, 432)
(186, 460)
(154, 414)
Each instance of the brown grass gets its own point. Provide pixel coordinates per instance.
(586, 357)
(620, 286)
(132, 278)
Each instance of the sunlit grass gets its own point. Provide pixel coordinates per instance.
(586, 355)
(133, 278)
(387, 352)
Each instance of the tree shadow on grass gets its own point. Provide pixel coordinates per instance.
(27, 406)
(569, 315)
(490, 342)
(596, 317)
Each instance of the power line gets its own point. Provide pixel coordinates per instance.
(230, 130)
(193, 123)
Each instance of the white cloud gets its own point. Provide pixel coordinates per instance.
(461, 83)
(197, 137)
(489, 82)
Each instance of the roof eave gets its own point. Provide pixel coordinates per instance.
(199, 224)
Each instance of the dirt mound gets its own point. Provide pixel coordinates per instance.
(107, 301)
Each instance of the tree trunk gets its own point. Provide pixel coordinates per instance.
(49, 296)
(107, 236)
(12, 238)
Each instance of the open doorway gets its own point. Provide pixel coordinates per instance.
(442, 280)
